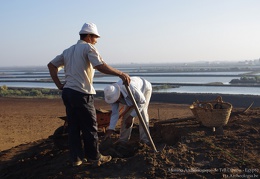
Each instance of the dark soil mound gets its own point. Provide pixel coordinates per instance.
(186, 149)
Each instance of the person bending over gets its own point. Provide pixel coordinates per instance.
(116, 94)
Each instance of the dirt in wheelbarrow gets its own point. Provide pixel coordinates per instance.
(186, 149)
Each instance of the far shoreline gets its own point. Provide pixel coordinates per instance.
(188, 98)
(237, 100)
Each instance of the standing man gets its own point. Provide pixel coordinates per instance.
(79, 62)
(116, 94)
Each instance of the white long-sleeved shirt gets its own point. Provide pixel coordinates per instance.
(137, 86)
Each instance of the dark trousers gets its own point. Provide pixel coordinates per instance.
(81, 116)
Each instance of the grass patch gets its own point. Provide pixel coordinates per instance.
(163, 87)
(29, 92)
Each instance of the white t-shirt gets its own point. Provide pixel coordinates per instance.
(78, 62)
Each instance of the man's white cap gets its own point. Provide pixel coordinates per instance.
(112, 93)
(89, 28)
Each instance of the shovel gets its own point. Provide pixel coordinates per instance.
(141, 120)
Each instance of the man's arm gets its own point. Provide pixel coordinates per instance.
(104, 68)
(54, 75)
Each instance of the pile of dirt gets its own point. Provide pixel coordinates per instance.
(186, 149)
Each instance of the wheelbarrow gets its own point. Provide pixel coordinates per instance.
(60, 135)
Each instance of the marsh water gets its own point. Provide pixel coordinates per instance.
(179, 82)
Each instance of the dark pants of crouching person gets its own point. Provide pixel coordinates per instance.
(81, 116)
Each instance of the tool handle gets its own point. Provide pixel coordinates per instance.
(141, 120)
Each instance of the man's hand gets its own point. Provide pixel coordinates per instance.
(125, 78)
(129, 121)
(60, 87)
(108, 134)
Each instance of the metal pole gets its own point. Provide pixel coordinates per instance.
(141, 120)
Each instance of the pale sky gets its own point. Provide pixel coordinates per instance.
(33, 32)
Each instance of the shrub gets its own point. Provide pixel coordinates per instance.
(27, 92)
(45, 91)
(35, 92)
(4, 87)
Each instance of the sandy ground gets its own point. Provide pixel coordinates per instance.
(186, 148)
(26, 120)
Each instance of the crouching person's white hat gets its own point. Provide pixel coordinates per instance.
(89, 28)
(112, 93)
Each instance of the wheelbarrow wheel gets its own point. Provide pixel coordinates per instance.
(60, 137)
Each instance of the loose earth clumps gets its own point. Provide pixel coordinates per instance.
(186, 148)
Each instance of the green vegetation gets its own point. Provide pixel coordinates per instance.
(254, 79)
(164, 87)
(29, 92)
(247, 79)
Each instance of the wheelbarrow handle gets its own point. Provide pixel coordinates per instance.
(141, 120)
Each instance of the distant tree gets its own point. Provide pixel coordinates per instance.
(4, 87)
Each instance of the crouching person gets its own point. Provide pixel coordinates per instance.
(116, 94)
